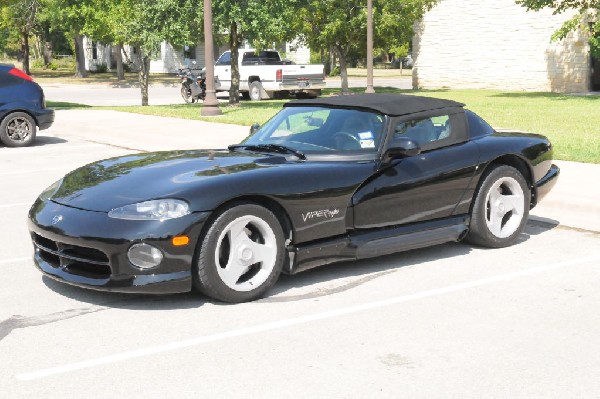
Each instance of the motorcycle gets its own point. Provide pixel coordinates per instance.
(193, 86)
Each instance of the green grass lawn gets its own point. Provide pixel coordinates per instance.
(571, 122)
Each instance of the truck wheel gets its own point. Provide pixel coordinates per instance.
(245, 95)
(256, 91)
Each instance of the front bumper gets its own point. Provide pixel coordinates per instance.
(89, 249)
(545, 184)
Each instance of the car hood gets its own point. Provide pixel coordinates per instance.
(115, 182)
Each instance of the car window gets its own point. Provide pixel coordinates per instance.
(324, 130)
(477, 126)
(426, 130)
(224, 59)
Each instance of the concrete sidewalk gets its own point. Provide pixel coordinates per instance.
(574, 201)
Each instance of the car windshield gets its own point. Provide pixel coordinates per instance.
(322, 130)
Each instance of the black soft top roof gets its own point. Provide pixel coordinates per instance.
(389, 104)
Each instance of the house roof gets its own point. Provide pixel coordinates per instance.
(389, 104)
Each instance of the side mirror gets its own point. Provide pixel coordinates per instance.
(402, 147)
(254, 128)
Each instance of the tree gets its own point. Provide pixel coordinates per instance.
(261, 22)
(21, 15)
(340, 26)
(147, 24)
(77, 17)
(587, 18)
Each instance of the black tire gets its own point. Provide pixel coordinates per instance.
(501, 208)
(255, 91)
(245, 95)
(186, 94)
(17, 129)
(222, 254)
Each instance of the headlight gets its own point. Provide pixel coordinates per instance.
(162, 209)
(51, 190)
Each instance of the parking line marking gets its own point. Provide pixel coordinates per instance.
(13, 205)
(15, 260)
(260, 328)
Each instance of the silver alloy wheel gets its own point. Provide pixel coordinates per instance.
(18, 129)
(255, 91)
(246, 253)
(505, 205)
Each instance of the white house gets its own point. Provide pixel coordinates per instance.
(173, 57)
(497, 44)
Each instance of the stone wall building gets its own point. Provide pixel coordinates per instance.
(497, 44)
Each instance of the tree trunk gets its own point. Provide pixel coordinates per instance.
(47, 53)
(234, 44)
(25, 48)
(117, 50)
(343, 69)
(143, 76)
(80, 71)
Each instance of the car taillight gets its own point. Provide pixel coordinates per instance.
(279, 75)
(20, 74)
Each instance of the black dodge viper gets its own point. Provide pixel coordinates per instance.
(325, 180)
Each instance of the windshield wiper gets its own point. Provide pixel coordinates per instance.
(268, 148)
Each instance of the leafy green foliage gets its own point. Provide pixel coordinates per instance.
(341, 25)
(20, 18)
(261, 22)
(587, 19)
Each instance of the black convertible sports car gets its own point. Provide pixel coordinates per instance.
(325, 180)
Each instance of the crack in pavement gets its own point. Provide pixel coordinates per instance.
(18, 321)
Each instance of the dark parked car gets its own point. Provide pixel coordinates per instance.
(22, 107)
(325, 180)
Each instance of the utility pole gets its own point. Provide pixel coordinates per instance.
(211, 104)
(370, 47)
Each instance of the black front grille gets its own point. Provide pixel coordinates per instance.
(83, 261)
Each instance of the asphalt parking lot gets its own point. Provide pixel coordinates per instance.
(452, 321)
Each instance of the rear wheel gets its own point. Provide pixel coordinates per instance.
(501, 208)
(241, 255)
(17, 130)
(255, 91)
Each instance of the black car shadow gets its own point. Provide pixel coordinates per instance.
(358, 272)
(47, 140)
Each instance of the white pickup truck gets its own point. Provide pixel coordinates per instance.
(264, 73)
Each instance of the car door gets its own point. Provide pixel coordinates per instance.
(423, 187)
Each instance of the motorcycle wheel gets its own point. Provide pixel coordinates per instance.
(186, 94)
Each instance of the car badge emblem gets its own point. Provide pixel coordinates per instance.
(56, 219)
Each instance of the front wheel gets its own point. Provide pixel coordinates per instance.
(186, 94)
(17, 130)
(241, 255)
(501, 208)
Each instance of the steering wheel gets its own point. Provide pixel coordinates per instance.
(346, 141)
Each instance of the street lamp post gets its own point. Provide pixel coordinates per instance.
(211, 104)
(370, 47)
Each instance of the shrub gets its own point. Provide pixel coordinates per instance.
(101, 68)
